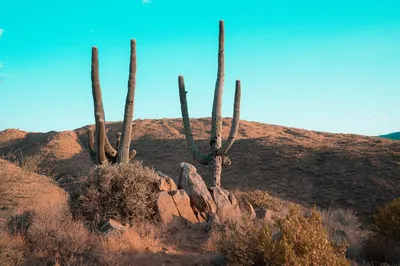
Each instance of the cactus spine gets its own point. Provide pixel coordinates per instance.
(103, 151)
(217, 150)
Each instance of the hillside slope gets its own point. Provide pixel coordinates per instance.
(308, 167)
(393, 136)
(22, 191)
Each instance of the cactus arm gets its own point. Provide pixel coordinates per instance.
(118, 140)
(132, 154)
(97, 98)
(101, 136)
(92, 150)
(235, 121)
(201, 158)
(123, 150)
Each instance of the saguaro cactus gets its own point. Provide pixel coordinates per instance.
(103, 150)
(217, 150)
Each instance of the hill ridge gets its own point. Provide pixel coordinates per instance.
(329, 169)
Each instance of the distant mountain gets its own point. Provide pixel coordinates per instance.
(394, 136)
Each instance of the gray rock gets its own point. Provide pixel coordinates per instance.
(193, 184)
(225, 209)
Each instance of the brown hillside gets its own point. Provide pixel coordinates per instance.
(22, 191)
(330, 170)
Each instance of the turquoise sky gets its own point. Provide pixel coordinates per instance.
(321, 65)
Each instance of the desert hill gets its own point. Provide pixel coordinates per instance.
(393, 136)
(308, 167)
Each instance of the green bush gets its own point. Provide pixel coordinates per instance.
(301, 240)
(384, 242)
(125, 192)
(386, 221)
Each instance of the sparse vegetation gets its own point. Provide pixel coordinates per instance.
(125, 192)
(384, 242)
(344, 226)
(300, 240)
(55, 236)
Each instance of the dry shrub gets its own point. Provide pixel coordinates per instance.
(7, 198)
(384, 242)
(141, 238)
(54, 236)
(303, 241)
(124, 192)
(30, 163)
(257, 198)
(20, 223)
(338, 220)
(386, 221)
(12, 249)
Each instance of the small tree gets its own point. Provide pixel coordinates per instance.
(217, 150)
(100, 148)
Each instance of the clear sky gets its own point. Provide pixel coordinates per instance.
(329, 65)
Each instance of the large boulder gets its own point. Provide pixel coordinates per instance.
(182, 203)
(227, 207)
(193, 184)
(168, 212)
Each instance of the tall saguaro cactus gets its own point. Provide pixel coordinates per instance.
(217, 149)
(100, 148)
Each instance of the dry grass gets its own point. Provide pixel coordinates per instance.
(55, 236)
(142, 238)
(12, 249)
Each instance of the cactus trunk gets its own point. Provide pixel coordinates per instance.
(216, 126)
(123, 150)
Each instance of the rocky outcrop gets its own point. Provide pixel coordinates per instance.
(193, 184)
(167, 210)
(166, 183)
(191, 202)
(227, 207)
(182, 203)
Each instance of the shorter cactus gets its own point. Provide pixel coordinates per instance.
(103, 151)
